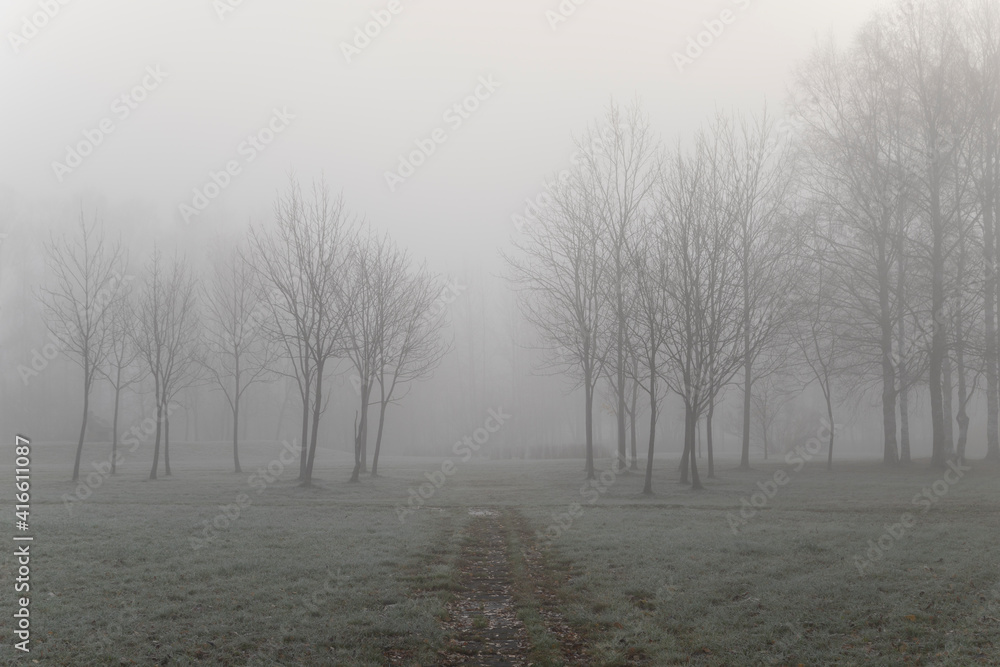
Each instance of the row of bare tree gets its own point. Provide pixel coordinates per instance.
(298, 297)
(852, 245)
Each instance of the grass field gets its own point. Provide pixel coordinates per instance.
(166, 573)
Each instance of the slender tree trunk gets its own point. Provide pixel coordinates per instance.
(647, 488)
(383, 404)
(890, 453)
(963, 416)
(114, 429)
(236, 447)
(360, 435)
(708, 438)
(947, 403)
(691, 421)
(747, 361)
(829, 415)
(632, 420)
(989, 197)
(901, 360)
(620, 391)
(588, 408)
(938, 342)
(697, 430)
(747, 387)
(304, 447)
(959, 325)
(156, 441)
(904, 427)
(685, 466)
(83, 424)
(317, 410)
(166, 442)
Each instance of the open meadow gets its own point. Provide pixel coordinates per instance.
(519, 562)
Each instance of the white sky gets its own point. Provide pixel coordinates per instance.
(352, 121)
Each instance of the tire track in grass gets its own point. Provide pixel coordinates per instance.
(482, 618)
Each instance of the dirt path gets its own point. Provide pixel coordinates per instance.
(483, 618)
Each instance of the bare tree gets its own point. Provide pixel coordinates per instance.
(980, 29)
(302, 265)
(850, 108)
(79, 306)
(619, 176)
(932, 60)
(816, 333)
(756, 198)
(238, 353)
(166, 335)
(121, 369)
(560, 271)
(650, 323)
(412, 344)
(704, 343)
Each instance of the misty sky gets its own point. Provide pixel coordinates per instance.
(225, 77)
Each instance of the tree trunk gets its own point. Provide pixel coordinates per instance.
(357, 451)
(890, 451)
(166, 441)
(938, 342)
(632, 420)
(685, 466)
(236, 446)
(708, 439)
(963, 416)
(588, 408)
(989, 192)
(156, 441)
(383, 404)
(690, 422)
(902, 361)
(747, 387)
(829, 416)
(83, 424)
(620, 391)
(947, 403)
(304, 447)
(363, 429)
(114, 429)
(647, 488)
(314, 439)
(904, 427)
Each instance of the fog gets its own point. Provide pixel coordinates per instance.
(221, 72)
(399, 277)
